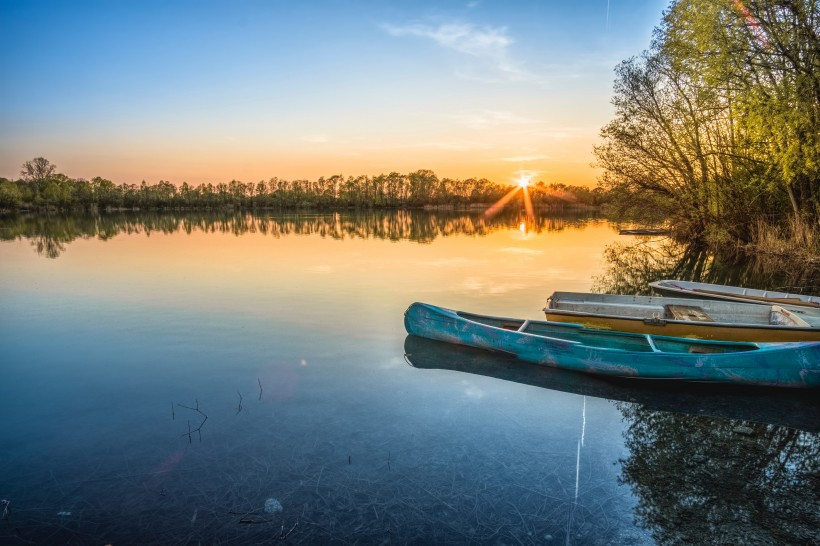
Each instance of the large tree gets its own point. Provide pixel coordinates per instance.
(718, 123)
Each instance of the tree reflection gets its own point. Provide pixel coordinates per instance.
(707, 480)
(49, 235)
(632, 266)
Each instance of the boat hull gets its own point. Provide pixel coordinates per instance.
(687, 289)
(781, 365)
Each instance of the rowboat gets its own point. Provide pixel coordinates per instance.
(644, 231)
(684, 317)
(791, 408)
(622, 354)
(702, 290)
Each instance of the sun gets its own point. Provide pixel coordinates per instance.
(523, 181)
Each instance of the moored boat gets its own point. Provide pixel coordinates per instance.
(684, 317)
(644, 231)
(702, 290)
(622, 354)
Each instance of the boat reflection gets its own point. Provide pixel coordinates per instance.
(799, 410)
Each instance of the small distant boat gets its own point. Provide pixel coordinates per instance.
(684, 317)
(702, 290)
(644, 231)
(622, 354)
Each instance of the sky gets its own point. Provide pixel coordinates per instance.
(206, 91)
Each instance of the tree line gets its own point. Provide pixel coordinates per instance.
(717, 124)
(41, 187)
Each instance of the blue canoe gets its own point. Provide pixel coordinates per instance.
(622, 354)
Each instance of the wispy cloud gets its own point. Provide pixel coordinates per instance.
(523, 251)
(491, 45)
(493, 118)
(316, 139)
(524, 158)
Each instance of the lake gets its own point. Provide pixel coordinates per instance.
(237, 378)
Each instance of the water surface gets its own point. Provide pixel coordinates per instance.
(242, 379)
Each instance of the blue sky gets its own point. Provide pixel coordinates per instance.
(210, 91)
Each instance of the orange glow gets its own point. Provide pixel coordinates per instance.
(523, 185)
(501, 203)
(753, 23)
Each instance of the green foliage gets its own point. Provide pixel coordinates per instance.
(394, 190)
(718, 123)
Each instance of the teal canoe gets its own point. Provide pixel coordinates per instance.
(622, 354)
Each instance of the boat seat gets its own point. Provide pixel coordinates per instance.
(687, 312)
(607, 308)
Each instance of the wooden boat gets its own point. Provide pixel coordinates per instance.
(683, 317)
(702, 290)
(644, 231)
(791, 408)
(622, 354)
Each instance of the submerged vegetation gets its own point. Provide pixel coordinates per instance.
(717, 125)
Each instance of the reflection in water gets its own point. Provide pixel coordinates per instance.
(632, 266)
(714, 481)
(731, 475)
(788, 408)
(50, 234)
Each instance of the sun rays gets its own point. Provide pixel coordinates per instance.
(522, 185)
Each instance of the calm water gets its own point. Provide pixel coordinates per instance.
(238, 379)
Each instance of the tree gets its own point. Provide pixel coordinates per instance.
(37, 169)
(718, 123)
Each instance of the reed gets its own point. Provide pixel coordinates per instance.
(796, 238)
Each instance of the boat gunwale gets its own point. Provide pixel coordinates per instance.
(744, 346)
(765, 297)
(701, 324)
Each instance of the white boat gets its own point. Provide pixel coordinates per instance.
(702, 290)
(685, 317)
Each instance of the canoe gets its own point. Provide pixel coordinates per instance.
(791, 408)
(684, 317)
(702, 290)
(622, 354)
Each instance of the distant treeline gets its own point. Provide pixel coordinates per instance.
(42, 188)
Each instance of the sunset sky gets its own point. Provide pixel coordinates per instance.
(205, 91)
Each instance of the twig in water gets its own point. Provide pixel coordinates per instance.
(319, 479)
(388, 461)
(284, 535)
(239, 408)
(260, 387)
(173, 415)
(199, 428)
(6, 508)
(348, 459)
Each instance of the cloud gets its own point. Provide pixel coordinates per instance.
(462, 37)
(494, 118)
(472, 391)
(519, 250)
(316, 139)
(489, 287)
(490, 45)
(524, 158)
